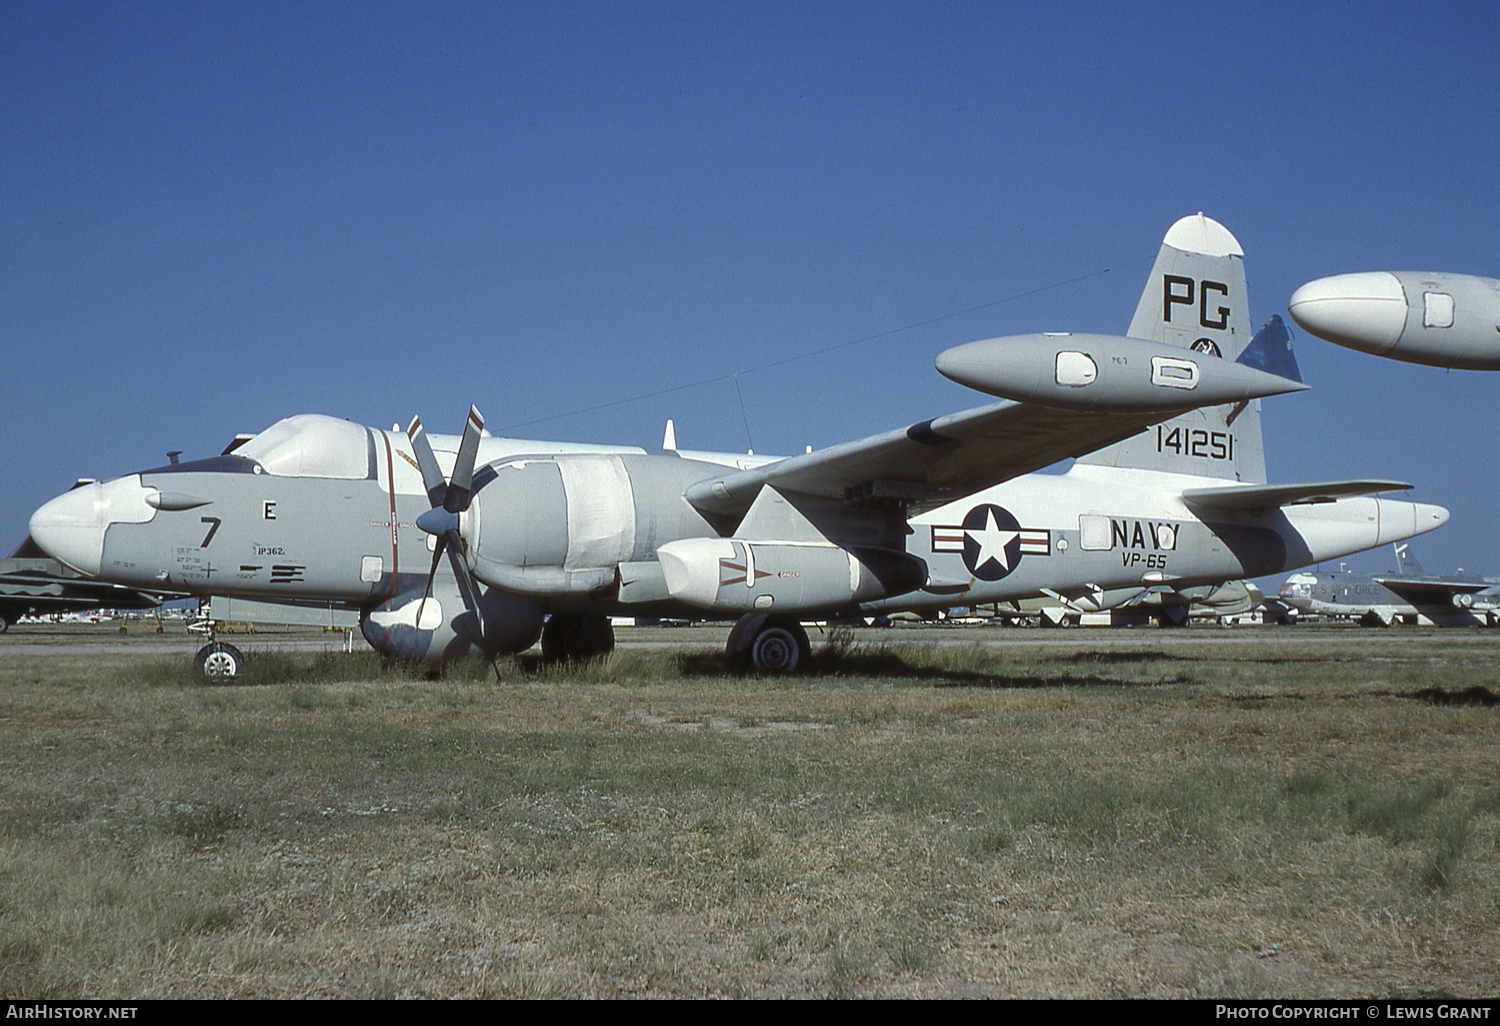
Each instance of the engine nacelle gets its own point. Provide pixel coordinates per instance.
(736, 575)
(558, 525)
(447, 630)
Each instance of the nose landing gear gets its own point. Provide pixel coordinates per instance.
(219, 661)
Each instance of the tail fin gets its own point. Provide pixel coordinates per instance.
(1271, 350)
(1406, 563)
(1196, 298)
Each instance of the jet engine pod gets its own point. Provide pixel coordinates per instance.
(1105, 373)
(733, 575)
(1427, 317)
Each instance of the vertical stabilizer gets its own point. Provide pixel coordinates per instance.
(1406, 563)
(1196, 298)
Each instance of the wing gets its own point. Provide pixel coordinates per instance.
(1069, 395)
(932, 463)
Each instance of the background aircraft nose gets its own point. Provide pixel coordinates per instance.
(71, 527)
(1364, 311)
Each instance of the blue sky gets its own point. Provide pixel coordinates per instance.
(215, 215)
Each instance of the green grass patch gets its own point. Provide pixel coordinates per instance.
(1141, 818)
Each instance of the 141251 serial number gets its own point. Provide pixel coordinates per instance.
(1208, 445)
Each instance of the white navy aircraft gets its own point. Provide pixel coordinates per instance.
(549, 539)
(1431, 317)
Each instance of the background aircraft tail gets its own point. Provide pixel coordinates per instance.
(1406, 563)
(1196, 298)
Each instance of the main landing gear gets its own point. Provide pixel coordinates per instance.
(577, 637)
(767, 644)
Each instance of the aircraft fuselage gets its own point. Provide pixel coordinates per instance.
(574, 527)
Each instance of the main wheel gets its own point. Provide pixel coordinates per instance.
(767, 644)
(4, 624)
(577, 637)
(219, 662)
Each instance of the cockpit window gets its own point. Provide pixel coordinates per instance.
(311, 445)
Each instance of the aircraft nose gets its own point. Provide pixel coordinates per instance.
(1365, 311)
(71, 527)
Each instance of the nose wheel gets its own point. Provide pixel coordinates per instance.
(218, 661)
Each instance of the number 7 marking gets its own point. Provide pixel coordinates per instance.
(214, 521)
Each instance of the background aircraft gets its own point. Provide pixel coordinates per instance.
(32, 584)
(1166, 606)
(1409, 594)
(1168, 489)
(1443, 320)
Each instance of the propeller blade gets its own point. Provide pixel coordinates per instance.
(451, 542)
(457, 499)
(432, 476)
(437, 555)
(466, 584)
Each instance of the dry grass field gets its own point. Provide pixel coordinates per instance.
(1197, 813)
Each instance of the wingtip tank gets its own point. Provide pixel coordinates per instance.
(1426, 317)
(1105, 373)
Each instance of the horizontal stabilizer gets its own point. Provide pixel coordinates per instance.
(1435, 588)
(1252, 497)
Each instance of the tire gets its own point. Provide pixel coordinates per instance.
(741, 636)
(4, 624)
(219, 662)
(577, 637)
(767, 644)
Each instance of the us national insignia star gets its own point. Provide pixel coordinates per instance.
(991, 541)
